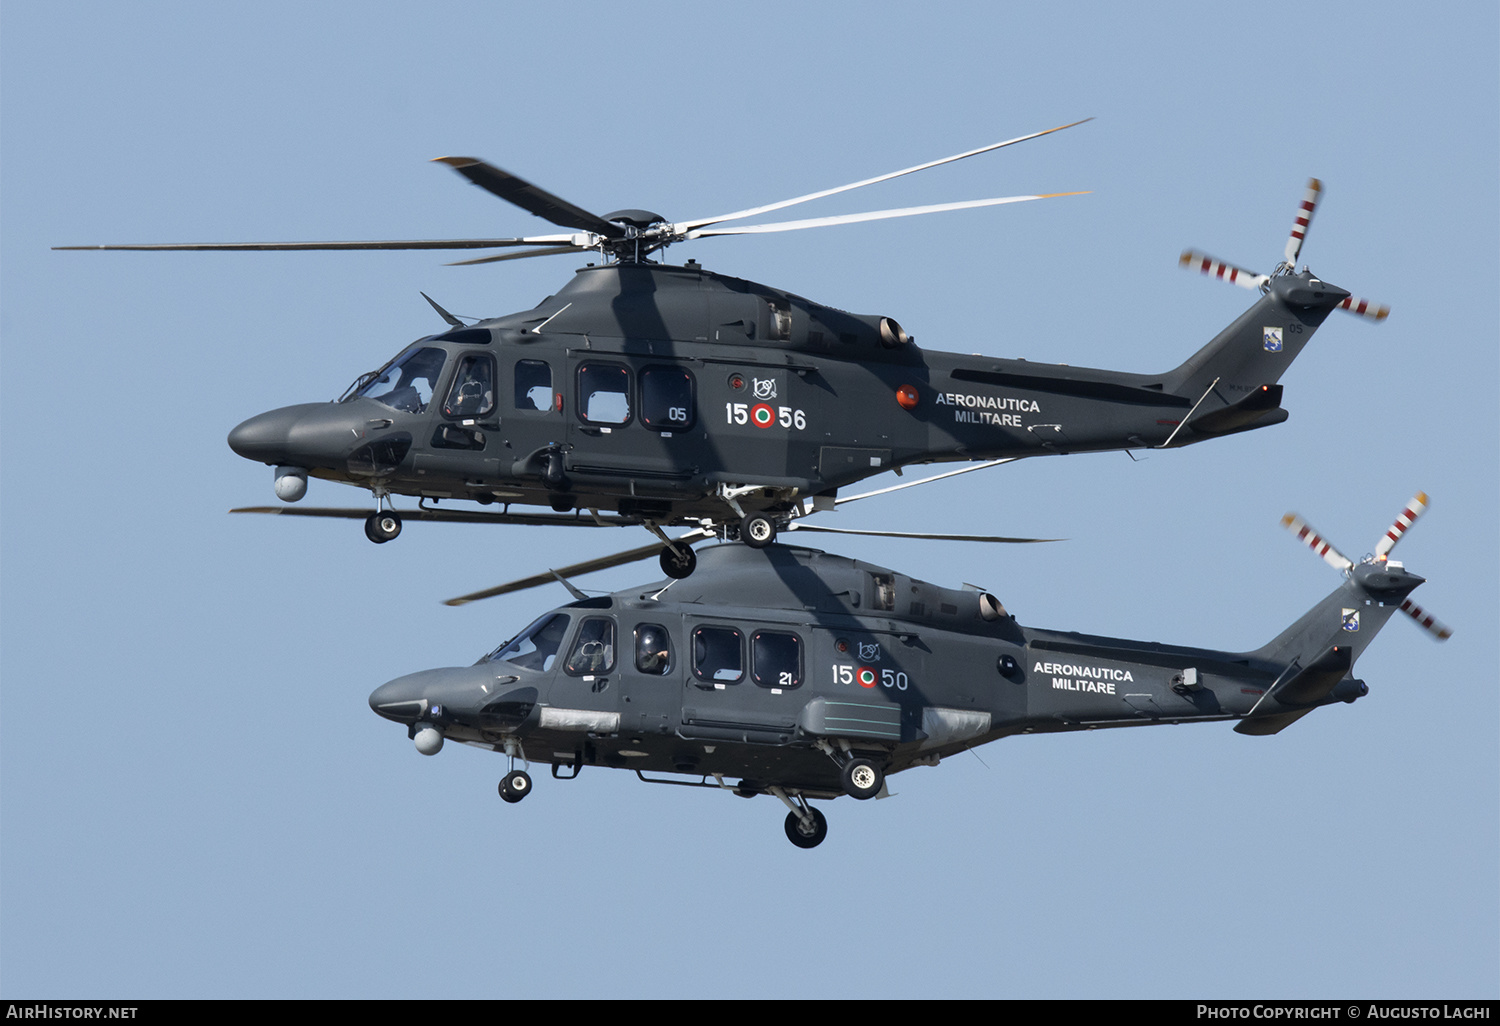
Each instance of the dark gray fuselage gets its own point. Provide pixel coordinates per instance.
(724, 382)
(902, 671)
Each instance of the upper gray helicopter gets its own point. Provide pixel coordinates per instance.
(657, 395)
(804, 675)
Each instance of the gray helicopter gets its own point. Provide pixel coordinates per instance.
(794, 673)
(664, 396)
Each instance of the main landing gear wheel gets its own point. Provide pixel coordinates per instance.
(515, 785)
(677, 567)
(382, 527)
(800, 835)
(862, 779)
(757, 530)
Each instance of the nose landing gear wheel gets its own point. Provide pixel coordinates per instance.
(803, 837)
(678, 568)
(515, 785)
(382, 527)
(757, 530)
(862, 779)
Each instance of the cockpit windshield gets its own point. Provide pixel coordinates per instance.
(536, 647)
(408, 381)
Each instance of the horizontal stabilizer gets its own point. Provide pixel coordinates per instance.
(1243, 413)
(1261, 726)
(1313, 684)
(1303, 692)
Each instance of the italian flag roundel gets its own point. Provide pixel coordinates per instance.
(763, 415)
(866, 677)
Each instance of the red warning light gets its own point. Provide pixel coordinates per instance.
(906, 395)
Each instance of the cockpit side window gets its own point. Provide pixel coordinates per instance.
(473, 391)
(408, 383)
(779, 310)
(718, 655)
(534, 386)
(594, 650)
(653, 649)
(536, 647)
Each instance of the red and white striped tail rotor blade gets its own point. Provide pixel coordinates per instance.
(1304, 219)
(1425, 620)
(1304, 532)
(1219, 269)
(1365, 308)
(1415, 508)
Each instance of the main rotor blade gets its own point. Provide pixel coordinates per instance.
(753, 211)
(577, 569)
(798, 526)
(1408, 516)
(451, 516)
(517, 256)
(559, 240)
(874, 215)
(935, 477)
(523, 194)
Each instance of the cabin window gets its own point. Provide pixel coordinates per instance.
(718, 655)
(776, 659)
(594, 650)
(666, 399)
(604, 393)
(473, 391)
(653, 649)
(536, 647)
(885, 591)
(534, 386)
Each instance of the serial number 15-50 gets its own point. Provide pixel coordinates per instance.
(865, 676)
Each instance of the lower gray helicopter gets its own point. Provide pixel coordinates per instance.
(805, 675)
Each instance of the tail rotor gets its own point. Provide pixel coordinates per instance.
(1216, 268)
(1377, 571)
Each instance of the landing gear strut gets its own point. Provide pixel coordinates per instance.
(861, 778)
(805, 826)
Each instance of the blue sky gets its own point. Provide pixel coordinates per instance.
(195, 800)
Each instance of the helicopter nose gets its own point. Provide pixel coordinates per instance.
(264, 438)
(402, 699)
(309, 435)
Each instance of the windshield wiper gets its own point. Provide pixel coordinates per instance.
(359, 382)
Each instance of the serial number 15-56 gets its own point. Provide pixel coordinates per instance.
(763, 415)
